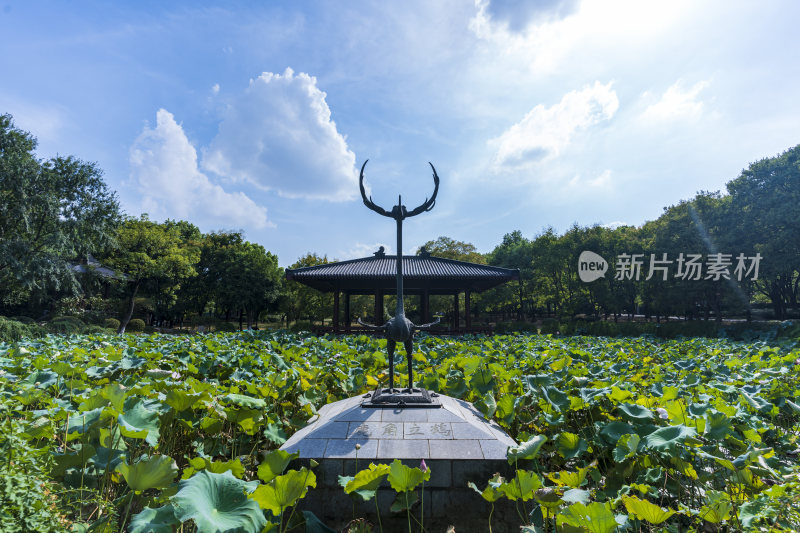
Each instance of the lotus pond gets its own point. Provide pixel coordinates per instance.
(151, 433)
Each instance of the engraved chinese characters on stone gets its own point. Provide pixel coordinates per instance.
(414, 430)
(362, 430)
(441, 429)
(427, 430)
(390, 430)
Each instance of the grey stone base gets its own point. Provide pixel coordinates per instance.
(447, 501)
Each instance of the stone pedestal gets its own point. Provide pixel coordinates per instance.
(457, 443)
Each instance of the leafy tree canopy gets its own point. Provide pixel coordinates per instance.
(452, 249)
(51, 213)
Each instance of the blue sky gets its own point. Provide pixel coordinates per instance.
(258, 115)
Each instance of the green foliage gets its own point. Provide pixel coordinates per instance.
(218, 502)
(135, 325)
(12, 330)
(66, 325)
(702, 427)
(51, 212)
(111, 323)
(148, 252)
(301, 301)
(29, 500)
(453, 249)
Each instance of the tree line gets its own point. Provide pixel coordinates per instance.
(66, 248)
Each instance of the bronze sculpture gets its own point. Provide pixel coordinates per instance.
(399, 328)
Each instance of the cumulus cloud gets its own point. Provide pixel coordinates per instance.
(677, 103)
(544, 132)
(164, 169)
(279, 136)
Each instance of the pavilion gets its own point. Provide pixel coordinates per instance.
(423, 275)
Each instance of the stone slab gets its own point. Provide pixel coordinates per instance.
(456, 449)
(403, 449)
(346, 449)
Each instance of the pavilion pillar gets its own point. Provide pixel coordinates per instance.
(347, 312)
(336, 311)
(467, 310)
(425, 306)
(455, 312)
(378, 307)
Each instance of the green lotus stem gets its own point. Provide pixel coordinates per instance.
(378, 512)
(294, 508)
(490, 517)
(408, 513)
(422, 507)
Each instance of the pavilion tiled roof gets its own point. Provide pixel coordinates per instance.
(420, 272)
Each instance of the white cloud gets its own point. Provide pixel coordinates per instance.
(544, 132)
(676, 103)
(164, 169)
(614, 225)
(602, 180)
(545, 42)
(279, 136)
(215, 89)
(361, 249)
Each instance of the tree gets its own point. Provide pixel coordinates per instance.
(250, 279)
(150, 252)
(51, 213)
(452, 249)
(515, 251)
(765, 219)
(302, 301)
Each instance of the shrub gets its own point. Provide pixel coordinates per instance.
(111, 323)
(23, 319)
(13, 330)
(136, 325)
(65, 325)
(93, 329)
(225, 326)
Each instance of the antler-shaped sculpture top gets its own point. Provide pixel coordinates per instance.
(399, 212)
(399, 328)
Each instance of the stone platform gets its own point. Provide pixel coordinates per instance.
(458, 444)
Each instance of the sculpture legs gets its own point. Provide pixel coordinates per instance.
(390, 344)
(409, 350)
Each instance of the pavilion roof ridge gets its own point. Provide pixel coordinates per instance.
(393, 257)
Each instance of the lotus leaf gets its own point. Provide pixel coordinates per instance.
(644, 510)
(521, 486)
(153, 472)
(595, 517)
(366, 482)
(159, 520)
(403, 478)
(284, 491)
(667, 439)
(140, 422)
(526, 450)
(217, 502)
(275, 463)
